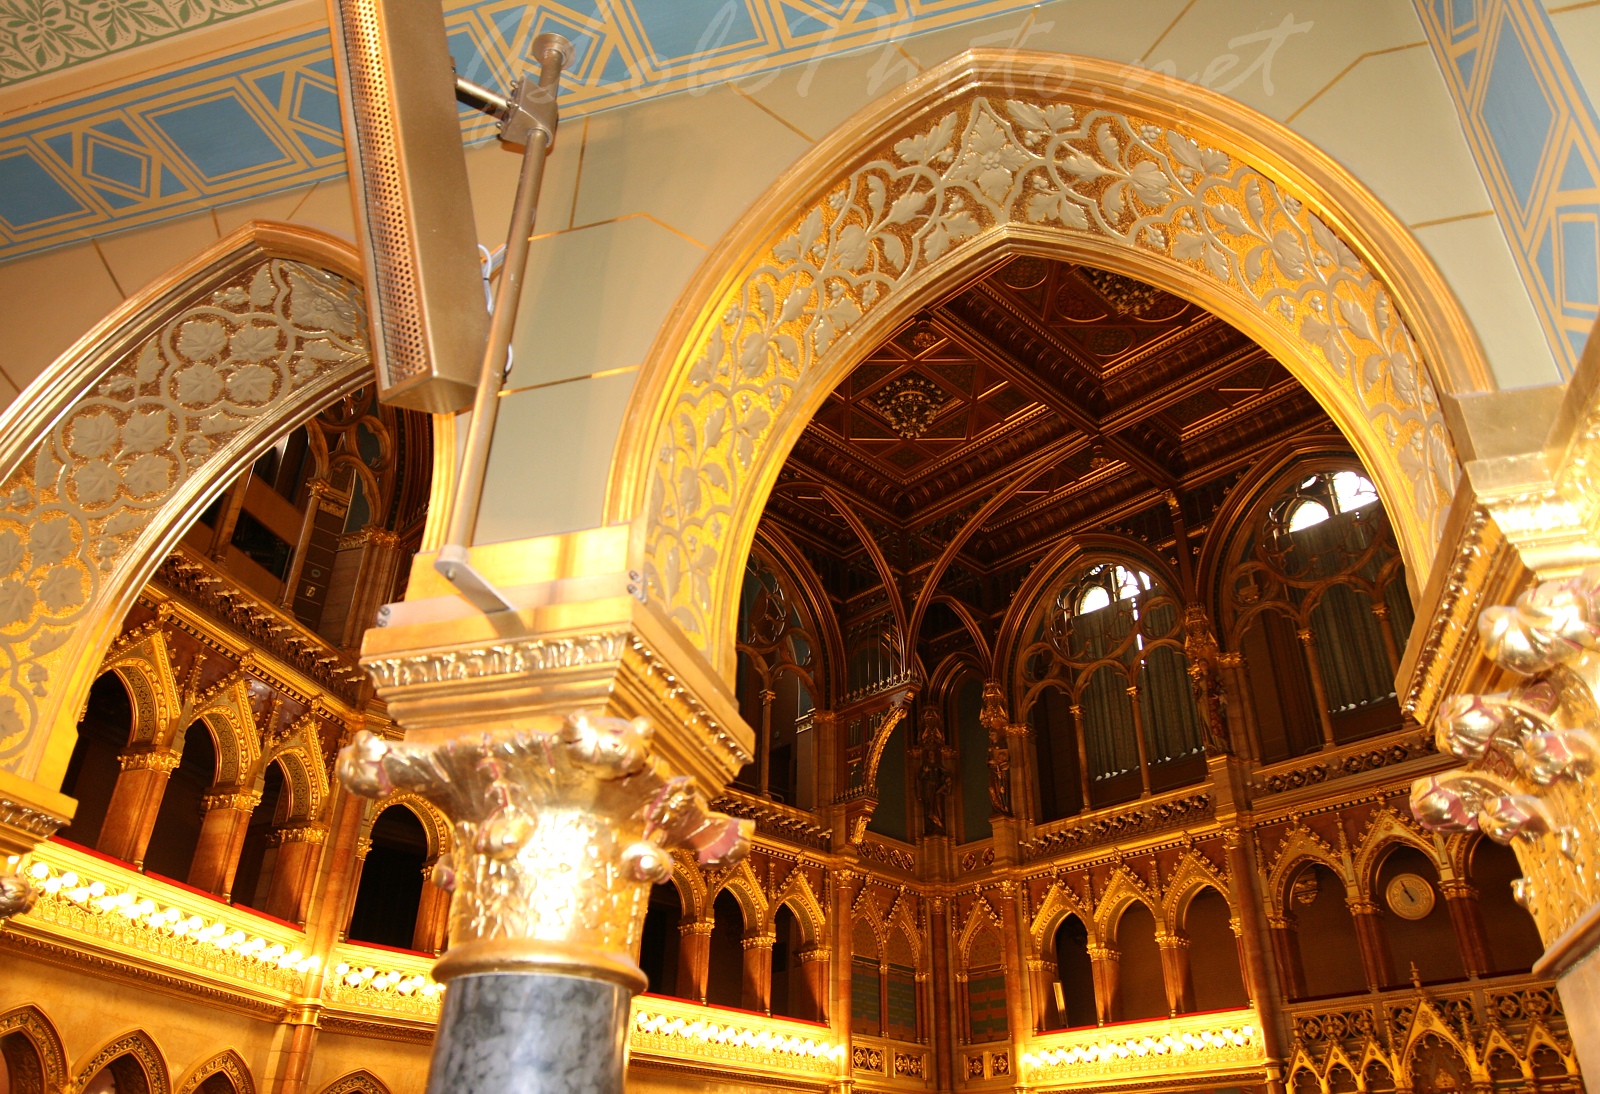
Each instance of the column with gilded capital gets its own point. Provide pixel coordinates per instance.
(814, 981)
(1105, 966)
(694, 959)
(222, 831)
(1461, 899)
(573, 745)
(1375, 959)
(756, 992)
(295, 869)
(1175, 973)
(135, 801)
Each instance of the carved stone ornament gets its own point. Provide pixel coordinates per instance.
(1531, 750)
(89, 492)
(958, 180)
(559, 832)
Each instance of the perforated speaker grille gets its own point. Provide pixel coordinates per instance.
(396, 309)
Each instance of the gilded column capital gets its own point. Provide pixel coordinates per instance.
(560, 829)
(758, 942)
(304, 833)
(696, 926)
(815, 953)
(243, 800)
(150, 759)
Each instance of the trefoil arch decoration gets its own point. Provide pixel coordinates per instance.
(137, 1045)
(1186, 190)
(32, 1024)
(106, 458)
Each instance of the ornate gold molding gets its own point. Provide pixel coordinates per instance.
(1531, 750)
(971, 162)
(105, 458)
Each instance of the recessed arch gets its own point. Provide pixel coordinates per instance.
(123, 1054)
(109, 455)
(357, 1082)
(228, 1065)
(31, 1051)
(1185, 189)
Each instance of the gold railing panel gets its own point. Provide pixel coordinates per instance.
(88, 904)
(684, 1033)
(1188, 1045)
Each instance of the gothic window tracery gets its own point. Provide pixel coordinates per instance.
(1111, 645)
(1315, 601)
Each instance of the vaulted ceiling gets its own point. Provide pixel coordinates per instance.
(1041, 400)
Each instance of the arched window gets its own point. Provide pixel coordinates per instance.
(1316, 603)
(297, 527)
(986, 986)
(779, 665)
(900, 988)
(1423, 937)
(390, 892)
(1214, 973)
(725, 975)
(1109, 646)
(1139, 971)
(1514, 943)
(658, 941)
(1324, 936)
(92, 772)
(252, 881)
(793, 994)
(176, 834)
(1075, 1006)
(1056, 749)
(866, 985)
(124, 1075)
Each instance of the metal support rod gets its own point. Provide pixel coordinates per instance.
(497, 104)
(530, 115)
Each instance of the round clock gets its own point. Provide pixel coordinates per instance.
(1409, 896)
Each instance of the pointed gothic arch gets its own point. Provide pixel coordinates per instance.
(136, 1046)
(113, 451)
(357, 1082)
(227, 1063)
(1175, 185)
(32, 1051)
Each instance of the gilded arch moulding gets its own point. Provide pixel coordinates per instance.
(108, 455)
(999, 153)
(228, 1063)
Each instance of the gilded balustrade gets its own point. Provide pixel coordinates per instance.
(159, 931)
(1213, 1045)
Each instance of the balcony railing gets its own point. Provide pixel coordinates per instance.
(111, 911)
(1201, 1046)
(680, 1032)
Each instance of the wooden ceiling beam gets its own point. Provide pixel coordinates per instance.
(1000, 359)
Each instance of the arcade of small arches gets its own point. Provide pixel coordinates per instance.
(36, 1062)
(206, 748)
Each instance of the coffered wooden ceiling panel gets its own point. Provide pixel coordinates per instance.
(1090, 400)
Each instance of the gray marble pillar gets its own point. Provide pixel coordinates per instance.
(530, 1033)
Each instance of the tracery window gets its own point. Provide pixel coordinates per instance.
(1111, 645)
(777, 682)
(1316, 604)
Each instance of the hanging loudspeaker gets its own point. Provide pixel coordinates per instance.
(412, 207)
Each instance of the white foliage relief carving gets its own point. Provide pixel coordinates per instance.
(110, 464)
(942, 188)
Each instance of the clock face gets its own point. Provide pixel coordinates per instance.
(1410, 897)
